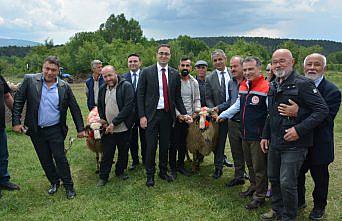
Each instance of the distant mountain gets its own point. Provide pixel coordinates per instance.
(16, 42)
(272, 43)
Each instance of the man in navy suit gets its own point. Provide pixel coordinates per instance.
(134, 64)
(321, 154)
(159, 93)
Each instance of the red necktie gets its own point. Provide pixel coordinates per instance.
(165, 91)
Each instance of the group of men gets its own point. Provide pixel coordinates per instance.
(280, 127)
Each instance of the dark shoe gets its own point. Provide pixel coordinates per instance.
(0, 193)
(122, 176)
(247, 193)
(133, 166)
(317, 214)
(101, 183)
(235, 182)
(53, 189)
(150, 182)
(254, 204)
(217, 174)
(271, 215)
(184, 171)
(9, 186)
(173, 174)
(227, 163)
(70, 193)
(165, 176)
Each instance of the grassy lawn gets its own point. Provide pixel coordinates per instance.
(198, 197)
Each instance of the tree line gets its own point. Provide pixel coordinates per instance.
(118, 37)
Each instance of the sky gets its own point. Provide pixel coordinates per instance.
(37, 20)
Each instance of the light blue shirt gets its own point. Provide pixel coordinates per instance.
(318, 81)
(232, 110)
(48, 113)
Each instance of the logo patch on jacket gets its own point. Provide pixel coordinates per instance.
(255, 100)
(315, 91)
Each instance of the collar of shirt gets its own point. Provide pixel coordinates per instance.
(225, 71)
(318, 80)
(52, 86)
(137, 72)
(160, 67)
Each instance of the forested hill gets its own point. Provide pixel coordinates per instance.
(272, 43)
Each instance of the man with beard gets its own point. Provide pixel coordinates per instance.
(191, 99)
(321, 154)
(116, 102)
(159, 93)
(216, 89)
(286, 139)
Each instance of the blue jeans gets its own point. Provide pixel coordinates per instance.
(4, 176)
(283, 171)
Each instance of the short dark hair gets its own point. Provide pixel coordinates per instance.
(253, 58)
(164, 45)
(133, 55)
(184, 59)
(53, 60)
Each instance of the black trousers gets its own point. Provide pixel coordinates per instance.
(49, 146)
(320, 176)
(178, 144)
(219, 151)
(110, 142)
(159, 128)
(137, 132)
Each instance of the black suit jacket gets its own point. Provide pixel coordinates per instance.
(323, 150)
(124, 99)
(148, 92)
(30, 91)
(128, 77)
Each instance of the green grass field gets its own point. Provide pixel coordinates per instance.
(198, 197)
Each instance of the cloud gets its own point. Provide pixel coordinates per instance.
(61, 19)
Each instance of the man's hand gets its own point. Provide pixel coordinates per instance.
(110, 128)
(215, 109)
(220, 120)
(291, 134)
(194, 115)
(264, 143)
(143, 122)
(288, 110)
(188, 119)
(18, 128)
(181, 118)
(81, 134)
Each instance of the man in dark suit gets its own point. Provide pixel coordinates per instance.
(134, 64)
(217, 93)
(48, 98)
(93, 83)
(322, 153)
(158, 95)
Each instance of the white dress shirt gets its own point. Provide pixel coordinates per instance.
(226, 77)
(160, 80)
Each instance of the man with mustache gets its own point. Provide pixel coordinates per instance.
(321, 154)
(286, 139)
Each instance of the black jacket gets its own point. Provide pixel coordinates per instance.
(127, 76)
(313, 110)
(124, 99)
(148, 92)
(322, 151)
(30, 92)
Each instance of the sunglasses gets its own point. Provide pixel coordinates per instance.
(185, 65)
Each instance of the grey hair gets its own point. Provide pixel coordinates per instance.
(94, 63)
(218, 52)
(253, 58)
(317, 54)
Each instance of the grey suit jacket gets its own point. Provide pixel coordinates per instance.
(213, 93)
(30, 91)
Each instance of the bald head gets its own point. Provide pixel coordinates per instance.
(109, 75)
(282, 63)
(314, 66)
